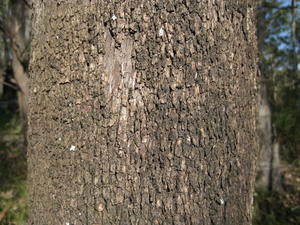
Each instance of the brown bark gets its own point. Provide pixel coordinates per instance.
(142, 112)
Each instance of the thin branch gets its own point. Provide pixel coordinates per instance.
(27, 4)
(10, 85)
(4, 29)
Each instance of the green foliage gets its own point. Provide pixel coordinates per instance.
(271, 209)
(280, 207)
(278, 70)
(13, 169)
(278, 52)
(4, 8)
(4, 11)
(13, 194)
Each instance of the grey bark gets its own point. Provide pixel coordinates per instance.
(142, 112)
(276, 173)
(269, 177)
(265, 141)
(18, 29)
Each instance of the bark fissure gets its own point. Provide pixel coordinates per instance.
(159, 99)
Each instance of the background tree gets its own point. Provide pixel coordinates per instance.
(268, 171)
(279, 48)
(281, 73)
(15, 34)
(142, 112)
(14, 56)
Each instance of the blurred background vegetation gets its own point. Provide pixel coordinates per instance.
(277, 196)
(14, 57)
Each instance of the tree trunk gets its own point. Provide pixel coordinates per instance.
(142, 112)
(269, 163)
(18, 28)
(294, 55)
(2, 72)
(265, 140)
(276, 174)
(3, 62)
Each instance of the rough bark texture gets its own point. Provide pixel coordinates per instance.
(142, 112)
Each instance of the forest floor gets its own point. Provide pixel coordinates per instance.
(13, 170)
(280, 207)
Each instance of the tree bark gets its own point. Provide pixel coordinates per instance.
(142, 112)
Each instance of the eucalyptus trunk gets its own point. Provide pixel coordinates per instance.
(142, 112)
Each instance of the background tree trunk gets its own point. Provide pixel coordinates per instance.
(269, 176)
(142, 112)
(1, 79)
(20, 39)
(265, 141)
